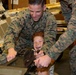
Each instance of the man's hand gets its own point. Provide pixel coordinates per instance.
(11, 54)
(44, 61)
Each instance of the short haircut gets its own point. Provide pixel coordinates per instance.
(41, 34)
(37, 2)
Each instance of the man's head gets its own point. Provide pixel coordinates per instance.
(38, 40)
(36, 8)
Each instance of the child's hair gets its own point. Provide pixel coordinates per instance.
(40, 33)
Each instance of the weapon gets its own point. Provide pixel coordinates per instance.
(29, 61)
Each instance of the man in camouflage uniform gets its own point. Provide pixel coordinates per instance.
(34, 19)
(66, 39)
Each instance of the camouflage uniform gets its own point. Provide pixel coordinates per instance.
(67, 38)
(20, 31)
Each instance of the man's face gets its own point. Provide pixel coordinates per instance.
(38, 42)
(36, 11)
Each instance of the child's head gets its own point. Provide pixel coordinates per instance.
(38, 40)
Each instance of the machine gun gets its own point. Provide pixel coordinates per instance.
(29, 61)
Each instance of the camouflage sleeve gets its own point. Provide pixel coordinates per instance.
(66, 10)
(67, 37)
(13, 31)
(50, 33)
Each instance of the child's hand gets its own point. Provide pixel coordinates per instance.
(38, 54)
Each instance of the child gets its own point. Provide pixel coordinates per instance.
(38, 41)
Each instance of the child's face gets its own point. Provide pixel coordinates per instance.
(38, 42)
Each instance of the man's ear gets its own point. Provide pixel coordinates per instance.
(44, 7)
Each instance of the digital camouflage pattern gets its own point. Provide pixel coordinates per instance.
(67, 38)
(3, 58)
(20, 31)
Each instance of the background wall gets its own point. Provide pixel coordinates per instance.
(21, 3)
